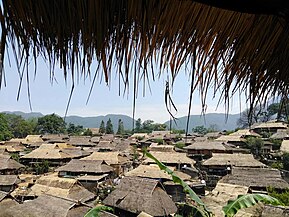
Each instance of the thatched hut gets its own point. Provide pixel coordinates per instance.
(221, 164)
(257, 179)
(269, 127)
(134, 195)
(205, 149)
(53, 185)
(77, 167)
(221, 194)
(81, 141)
(175, 159)
(8, 182)
(118, 161)
(47, 205)
(55, 154)
(9, 166)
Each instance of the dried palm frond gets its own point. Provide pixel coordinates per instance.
(230, 50)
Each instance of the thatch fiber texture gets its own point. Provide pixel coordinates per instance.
(135, 195)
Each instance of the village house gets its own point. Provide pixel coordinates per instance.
(281, 134)
(55, 154)
(270, 127)
(152, 171)
(135, 195)
(8, 182)
(213, 135)
(200, 150)
(245, 133)
(174, 159)
(220, 196)
(32, 141)
(53, 185)
(9, 166)
(155, 147)
(78, 167)
(236, 140)
(104, 146)
(118, 161)
(55, 138)
(47, 205)
(257, 179)
(81, 141)
(220, 165)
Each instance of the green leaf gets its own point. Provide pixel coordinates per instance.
(94, 212)
(186, 188)
(248, 200)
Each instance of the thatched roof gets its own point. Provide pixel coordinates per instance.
(85, 166)
(3, 194)
(44, 205)
(239, 160)
(55, 137)
(206, 145)
(237, 45)
(91, 178)
(171, 158)
(280, 134)
(255, 177)
(108, 157)
(231, 138)
(269, 124)
(153, 171)
(80, 141)
(284, 146)
(221, 194)
(33, 139)
(136, 194)
(55, 151)
(7, 163)
(61, 187)
(6, 180)
(245, 132)
(155, 147)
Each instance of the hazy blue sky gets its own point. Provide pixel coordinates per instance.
(50, 98)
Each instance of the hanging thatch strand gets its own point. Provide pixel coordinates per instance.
(233, 50)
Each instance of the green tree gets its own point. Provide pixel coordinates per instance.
(75, 130)
(20, 127)
(87, 132)
(102, 127)
(255, 144)
(138, 125)
(109, 127)
(147, 126)
(5, 133)
(52, 124)
(120, 129)
(200, 129)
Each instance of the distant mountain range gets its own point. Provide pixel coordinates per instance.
(217, 120)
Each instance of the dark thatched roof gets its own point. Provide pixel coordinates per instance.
(6, 163)
(136, 194)
(206, 145)
(238, 160)
(229, 44)
(256, 177)
(85, 166)
(7, 180)
(44, 205)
